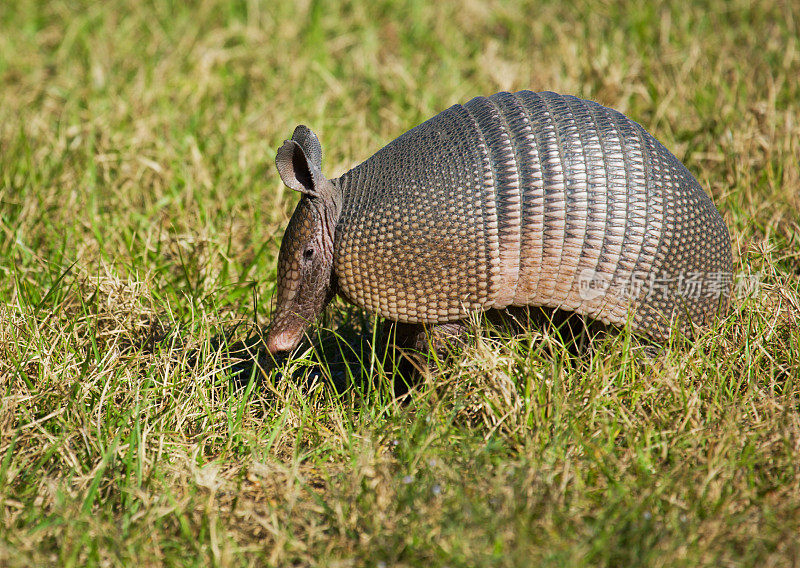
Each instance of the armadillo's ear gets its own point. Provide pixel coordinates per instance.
(309, 142)
(299, 170)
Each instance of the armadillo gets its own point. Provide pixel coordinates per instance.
(516, 199)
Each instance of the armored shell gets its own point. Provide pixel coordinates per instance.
(530, 199)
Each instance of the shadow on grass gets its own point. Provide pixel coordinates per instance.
(360, 352)
(356, 354)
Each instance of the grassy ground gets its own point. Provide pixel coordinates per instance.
(140, 217)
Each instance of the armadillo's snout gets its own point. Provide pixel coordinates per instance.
(283, 341)
(285, 333)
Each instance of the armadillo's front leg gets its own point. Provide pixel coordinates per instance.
(442, 337)
(412, 343)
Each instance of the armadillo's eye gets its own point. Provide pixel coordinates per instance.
(308, 253)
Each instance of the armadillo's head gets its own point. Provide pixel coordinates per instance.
(305, 284)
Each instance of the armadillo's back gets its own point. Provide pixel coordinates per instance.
(530, 199)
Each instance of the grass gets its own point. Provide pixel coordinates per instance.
(140, 218)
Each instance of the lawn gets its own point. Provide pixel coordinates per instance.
(140, 220)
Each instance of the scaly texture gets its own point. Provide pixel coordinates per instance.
(530, 199)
